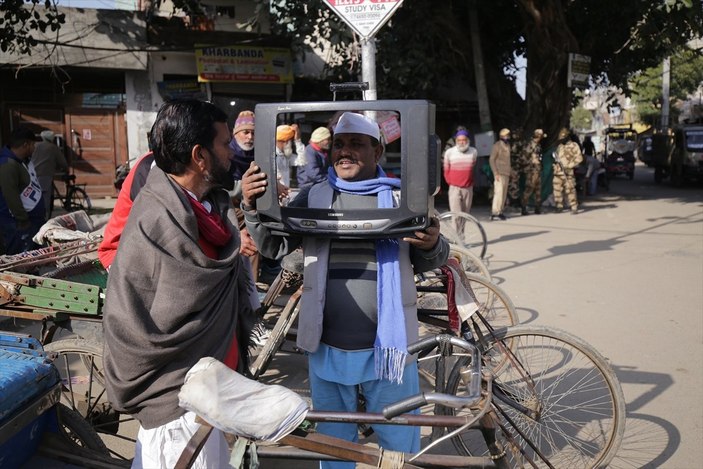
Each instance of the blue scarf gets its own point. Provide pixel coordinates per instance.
(391, 344)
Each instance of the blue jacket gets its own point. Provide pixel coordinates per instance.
(240, 160)
(315, 169)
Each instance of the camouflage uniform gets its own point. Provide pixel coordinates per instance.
(516, 168)
(533, 170)
(569, 155)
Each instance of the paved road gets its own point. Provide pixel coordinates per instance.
(626, 275)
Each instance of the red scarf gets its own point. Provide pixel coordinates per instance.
(317, 147)
(212, 231)
(213, 234)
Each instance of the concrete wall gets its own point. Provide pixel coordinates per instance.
(143, 98)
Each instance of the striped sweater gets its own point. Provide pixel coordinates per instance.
(459, 167)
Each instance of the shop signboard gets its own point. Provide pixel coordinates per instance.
(244, 64)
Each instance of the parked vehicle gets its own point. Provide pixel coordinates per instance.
(655, 150)
(620, 146)
(686, 159)
(677, 153)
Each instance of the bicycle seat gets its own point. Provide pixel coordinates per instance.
(235, 404)
(66, 177)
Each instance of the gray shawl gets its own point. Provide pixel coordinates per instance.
(167, 304)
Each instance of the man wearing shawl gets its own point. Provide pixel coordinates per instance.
(358, 311)
(176, 292)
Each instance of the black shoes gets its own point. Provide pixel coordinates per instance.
(538, 210)
(524, 211)
(500, 216)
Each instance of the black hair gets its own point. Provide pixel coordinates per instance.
(180, 125)
(21, 135)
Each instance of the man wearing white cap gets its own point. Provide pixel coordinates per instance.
(353, 323)
(47, 159)
(315, 168)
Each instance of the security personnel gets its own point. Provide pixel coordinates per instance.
(532, 164)
(566, 157)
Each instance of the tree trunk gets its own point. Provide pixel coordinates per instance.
(549, 42)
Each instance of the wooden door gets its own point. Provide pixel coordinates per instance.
(96, 146)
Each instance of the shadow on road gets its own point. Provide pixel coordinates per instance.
(649, 441)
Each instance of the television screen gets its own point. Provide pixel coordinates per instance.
(411, 155)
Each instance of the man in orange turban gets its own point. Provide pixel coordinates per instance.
(285, 157)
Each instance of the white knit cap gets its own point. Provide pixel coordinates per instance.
(353, 123)
(47, 135)
(320, 134)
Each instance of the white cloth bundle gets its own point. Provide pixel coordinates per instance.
(69, 227)
(464, 297)
(238, 405)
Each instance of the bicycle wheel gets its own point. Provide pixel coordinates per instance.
(275, 339)
(470, 262)
(465, 230)
(78, 431)
(493, 304)
(491, 301)
(576, 402)
(80, 366)
(77, 199)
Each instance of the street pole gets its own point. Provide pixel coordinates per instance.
(666, 76)
(368, 67)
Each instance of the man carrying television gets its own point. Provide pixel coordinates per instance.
(358, 311)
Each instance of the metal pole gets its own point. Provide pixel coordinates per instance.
(666, 76)
(368, 67)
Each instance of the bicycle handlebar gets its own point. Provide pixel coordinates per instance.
(471, 375)
(404, 406)
(66, 177)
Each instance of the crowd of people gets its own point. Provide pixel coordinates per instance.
(185, 249)
(518, 167)
(180, 274)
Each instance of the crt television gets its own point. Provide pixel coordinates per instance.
(411, 154)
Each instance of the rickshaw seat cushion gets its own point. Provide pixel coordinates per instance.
(238, 405)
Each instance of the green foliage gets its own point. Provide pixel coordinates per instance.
(20, 19)
(581, 118)
(686, 75)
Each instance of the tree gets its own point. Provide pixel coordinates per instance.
(620, 37)
(686, 78)
(581, 118)
(19, 19)
(424, 45)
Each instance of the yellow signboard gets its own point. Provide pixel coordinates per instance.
(244, 64)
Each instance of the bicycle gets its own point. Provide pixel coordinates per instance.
(464, 230)
(532, 370)
(74, 196)
(547, 399)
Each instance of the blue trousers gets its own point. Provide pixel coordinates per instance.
(331, 396)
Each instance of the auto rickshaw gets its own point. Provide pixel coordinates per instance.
(620, 145)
